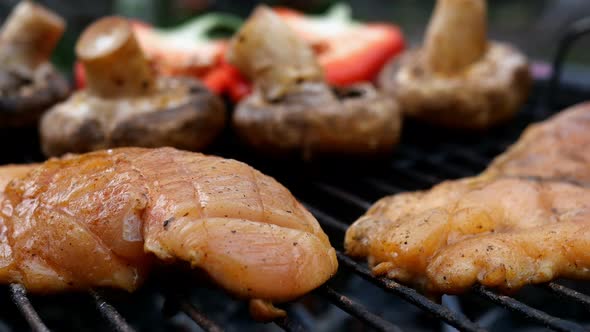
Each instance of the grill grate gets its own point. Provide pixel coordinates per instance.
(289, 325)
(358, 310)
(570, 294)
(411, 296)
(117, 322)
(554, 323)
(199, 318)
(415, 165)
(19, 296)
(336, 197)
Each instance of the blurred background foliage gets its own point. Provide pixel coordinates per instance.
(534, 25)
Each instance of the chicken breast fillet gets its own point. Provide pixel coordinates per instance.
(103, 219)
(526, 219)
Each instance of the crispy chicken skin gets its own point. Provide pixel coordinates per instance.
(103, 219)
(526, 219)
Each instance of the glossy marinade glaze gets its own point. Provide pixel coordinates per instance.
(526, 219)
(106, 218)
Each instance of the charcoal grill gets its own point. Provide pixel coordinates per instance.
(336, 195)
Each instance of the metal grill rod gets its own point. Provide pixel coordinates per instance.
(343, 195)
(289, 325)
(569, 293)
(20, 298)
(408, 294)
(455, 170)
(380, 185)
(175, 302)
(198, 317)
(454, 319)
(423, 178)
(358, 310)
(326, 220)
(466, 154)
(111, 314)
(531, 313)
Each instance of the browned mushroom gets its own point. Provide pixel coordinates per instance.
(459, 79)
(29, 84)
(292, 109)
(125, 104)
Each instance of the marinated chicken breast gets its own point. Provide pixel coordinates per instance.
(526, 219)
(103, 219)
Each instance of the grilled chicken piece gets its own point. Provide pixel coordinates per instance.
(526, 219)
(104, 219)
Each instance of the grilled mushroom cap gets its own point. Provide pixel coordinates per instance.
(315, 120)
(125, 104)
(459, 79)
(292, 109)
(29, 84)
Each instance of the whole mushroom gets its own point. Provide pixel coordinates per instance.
(29, 84)
(125, 104)
(459, 79)
(292, 109)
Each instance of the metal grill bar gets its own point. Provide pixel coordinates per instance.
(198, 317)
(569, 294)
(380, 185)
(455, 170)
(343, 195)
(358, 310)
(326, 220)
(531, 313)
(406, 293)
(290, 325)
(427, 179)
(456, 320)
(111, 314)
(466, 154)
(20, 298)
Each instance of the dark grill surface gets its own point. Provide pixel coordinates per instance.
(336, 192)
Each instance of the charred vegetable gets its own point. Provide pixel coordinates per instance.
(29, 84)
(459, 79)
(125, 103)
(292, 109)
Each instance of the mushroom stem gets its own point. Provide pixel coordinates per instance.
(113, 60)
(456, 35)
(268, 52)
(28, 37)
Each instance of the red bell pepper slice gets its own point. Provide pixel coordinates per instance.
(349, 51)
(226, 79)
